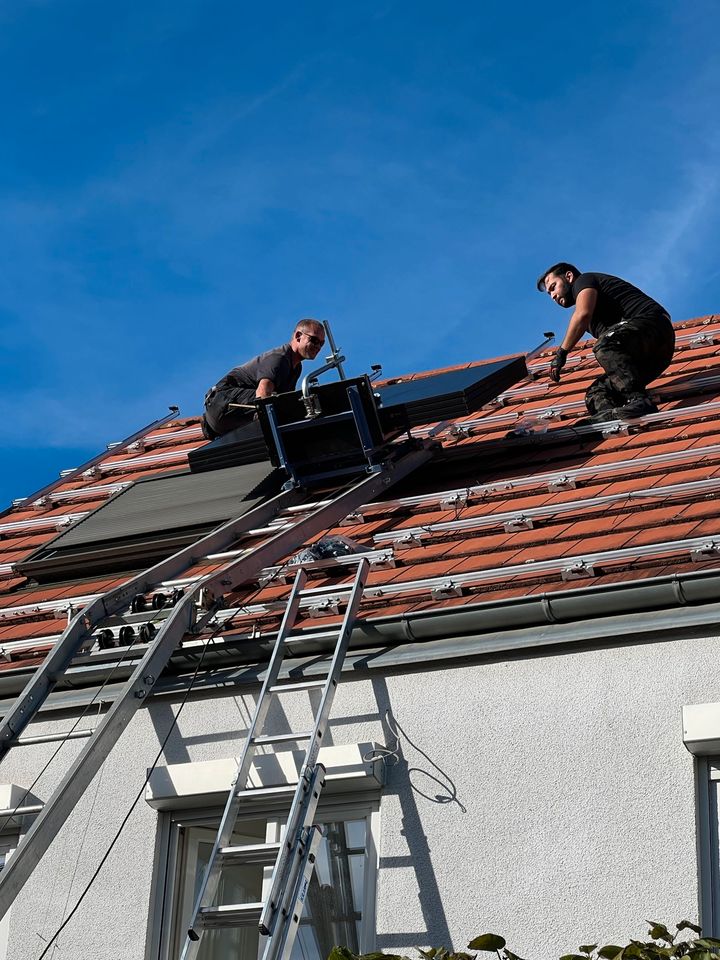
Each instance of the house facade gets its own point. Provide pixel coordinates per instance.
(525, 738)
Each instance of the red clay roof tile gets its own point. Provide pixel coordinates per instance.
(608, 469)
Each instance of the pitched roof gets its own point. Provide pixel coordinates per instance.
(523, 499)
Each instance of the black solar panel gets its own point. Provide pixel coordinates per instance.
(455, 393)
(243, 445)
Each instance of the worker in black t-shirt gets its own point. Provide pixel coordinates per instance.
(635, 338)
(231, 402)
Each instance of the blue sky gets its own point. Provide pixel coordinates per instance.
(179, 182)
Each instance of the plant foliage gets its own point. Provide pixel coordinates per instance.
(661, 945)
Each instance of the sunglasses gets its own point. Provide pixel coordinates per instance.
(315, 341)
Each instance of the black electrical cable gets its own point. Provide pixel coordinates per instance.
(65, 739)
(135, 802)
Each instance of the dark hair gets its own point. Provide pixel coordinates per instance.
(303, 326)
(559, 268)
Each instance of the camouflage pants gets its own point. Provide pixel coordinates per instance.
(632, 353)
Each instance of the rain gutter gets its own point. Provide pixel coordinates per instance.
(658, 609)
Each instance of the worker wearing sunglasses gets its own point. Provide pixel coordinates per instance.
(230, 403)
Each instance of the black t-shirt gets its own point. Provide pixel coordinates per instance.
(617, 300)
(275, 365)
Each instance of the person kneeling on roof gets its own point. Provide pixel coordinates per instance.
(635, 338)
(231, 402)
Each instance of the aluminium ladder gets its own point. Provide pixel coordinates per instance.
(185, 618)
(294, 857)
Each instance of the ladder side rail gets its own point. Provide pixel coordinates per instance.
(327, 513)
(301, 816)
(42, 682)
(21, 865)
(209, 917)
(336, 665)
(211, 877)
(270, 910)
(279, 947)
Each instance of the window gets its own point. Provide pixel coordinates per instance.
(708, 818)
(339, 907)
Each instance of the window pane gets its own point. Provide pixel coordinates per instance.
(238, 884)
(333, 907)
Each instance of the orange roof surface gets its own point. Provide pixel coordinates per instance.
(541, 502)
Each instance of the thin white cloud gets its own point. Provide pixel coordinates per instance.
(665, 254)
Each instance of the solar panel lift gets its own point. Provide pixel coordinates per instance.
(340, 435)
(365, 467)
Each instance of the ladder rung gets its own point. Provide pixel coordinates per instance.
(280, 738)
(259, 854)
(294, 687)
(229, 915)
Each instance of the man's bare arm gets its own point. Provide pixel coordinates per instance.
(265, 388)
(580, 320)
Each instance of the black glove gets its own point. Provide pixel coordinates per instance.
(558, 362)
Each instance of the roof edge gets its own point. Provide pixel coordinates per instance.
(653, 610)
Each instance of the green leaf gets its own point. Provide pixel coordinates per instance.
(342, 953)
(658, 931)
(610, 951)
(588, 949)
(428, 953)
(378, 955)
(573, 956)
(511, 956)
(489, 942)
(636, 950)
(689, 925)
(708, 942)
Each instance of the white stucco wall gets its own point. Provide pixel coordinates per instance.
(579, 797)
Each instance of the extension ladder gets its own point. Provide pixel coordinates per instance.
(294, 857)
(187, 618)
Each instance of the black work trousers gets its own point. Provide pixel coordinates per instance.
(632, 353)
(220, 417)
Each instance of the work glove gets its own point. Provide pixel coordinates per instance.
(557, 363)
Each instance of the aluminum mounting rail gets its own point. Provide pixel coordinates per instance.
(378, 559)
(555, 413)
(110, 465)
(48, 606)
(570, 568)
(521, 519)
(42, 523)
(555, 479)
(183, 619)
(92, 492)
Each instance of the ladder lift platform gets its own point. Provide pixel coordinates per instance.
(368, 466)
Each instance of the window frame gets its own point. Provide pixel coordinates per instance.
(167, 875)
(707, 793)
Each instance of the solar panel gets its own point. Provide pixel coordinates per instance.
(454, 393)
(242, 445)
(151, 519)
